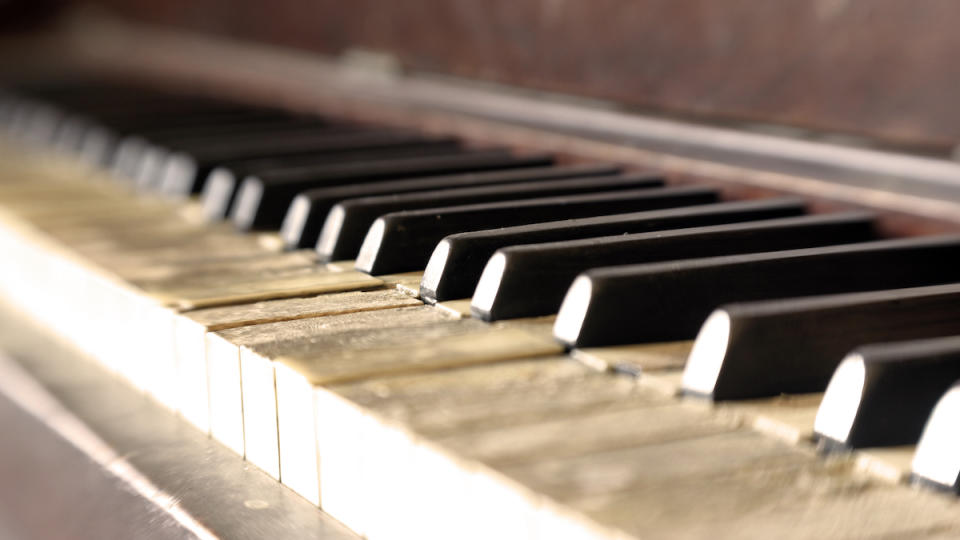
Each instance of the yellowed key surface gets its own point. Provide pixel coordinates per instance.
(432, 438)
(637, 359)
(192, 327)
(353, 349)
(223, 355)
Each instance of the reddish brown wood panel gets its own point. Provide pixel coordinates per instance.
(881, 67)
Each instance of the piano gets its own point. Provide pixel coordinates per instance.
(532, 270)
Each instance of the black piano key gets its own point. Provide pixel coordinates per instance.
(403, 241)
(134, 140)
(765, 348)
(147, 152)
(531, 280)
(119, 111)
(458, 260)
(204, 131)
(184, 172)
(347, 224)
(166, 125)
(308, 211)
(147, 138)
(936, 462)
(669, 301)
(263, 199)
(237, 134)
(222, 184)
(882, 394)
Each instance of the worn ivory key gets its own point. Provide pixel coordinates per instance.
(504, 412)
(243, 281)
(426, 450)
(223, 357)
(340, 348)
(191, 328)
(464, 342)
(300, 282)
(737, 482)
(218, 277)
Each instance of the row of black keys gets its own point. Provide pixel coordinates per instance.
(790, 294)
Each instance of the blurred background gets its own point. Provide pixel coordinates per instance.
(883, 70)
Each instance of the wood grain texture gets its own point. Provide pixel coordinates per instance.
(191, 328)
(153, 271)
(640, 461)
(350, 357)
(291, 337)
(783, 496)
(405, 435)
(891, 464)
(251, 289)
(269, 311)
(787, 417)
(521, 411)
(224, 349)
(861, 66)
(477, 398)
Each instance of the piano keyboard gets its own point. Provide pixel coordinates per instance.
(432, 339)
